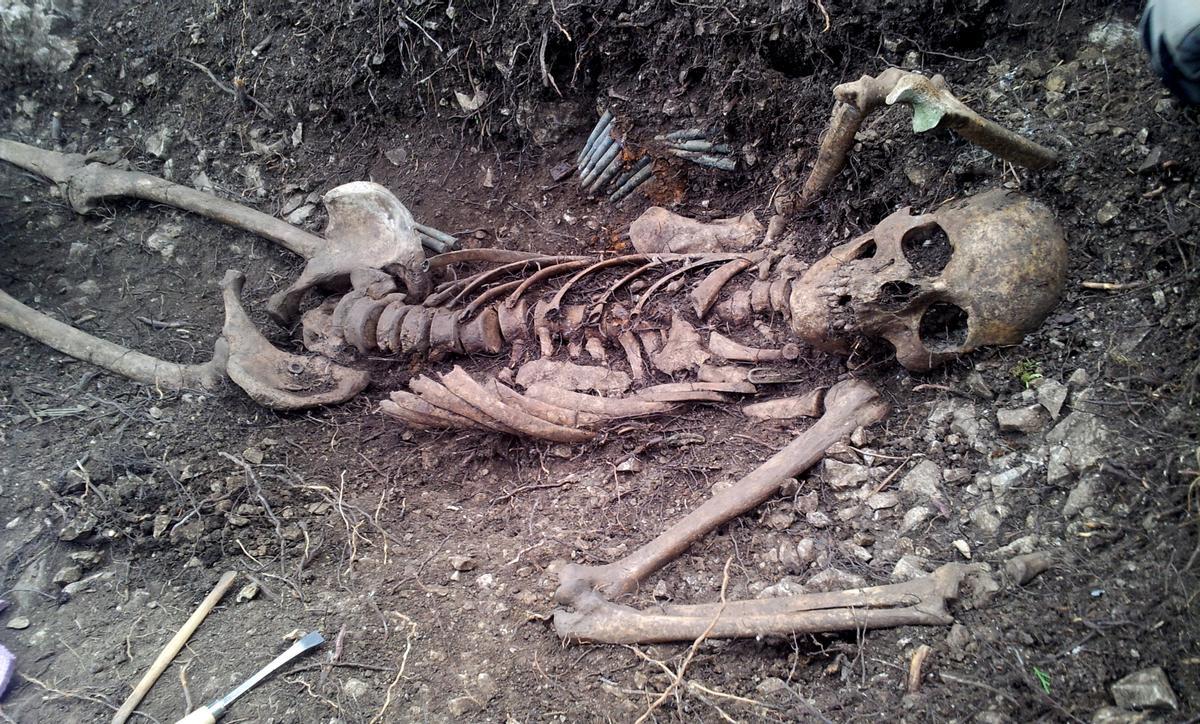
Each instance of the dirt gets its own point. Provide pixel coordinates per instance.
(347, 522)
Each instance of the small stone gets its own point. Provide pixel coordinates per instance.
(355, 688)
(485, 580)
(87, 559)
(1095, 128)
(924, 480)
(254, 456)
(462, 563)
(1052, 395)
(914, 517)
(817, 519)
(845, 475)
(770, 685)
(1145, 689)
(781, 520)
(786, 587)
(630, 465)
(988, 518)
(909, 567)
(248, 593)
(158, 144)
(1079, 378)
(18, 623)
(1107, 213)
(161, 522)
(463, 705)
(975, 385)
(1021, 419)
(881, 501)
(958, 637)
(788, 558)
(962, 547)
(1082, 496)
(833, 579)
(69, 574)
(396, 156)
(301, 214)
(1117, 715)
(661, 591)
(806, 551)
(485, 686)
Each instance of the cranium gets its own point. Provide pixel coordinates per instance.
(980, 271)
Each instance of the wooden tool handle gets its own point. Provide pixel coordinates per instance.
(172, 649)
(200, 716)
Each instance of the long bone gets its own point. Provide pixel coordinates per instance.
(919, 602)
(368, 227)
(848, 405)
(113, 357)
(934, 106)
(268, 375)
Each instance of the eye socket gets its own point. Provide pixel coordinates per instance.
(927, 248)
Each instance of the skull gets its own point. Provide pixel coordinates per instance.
(981, 271)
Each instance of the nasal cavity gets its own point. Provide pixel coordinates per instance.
(866, 251)
(927, 249)
(896, 295)
(944, 327)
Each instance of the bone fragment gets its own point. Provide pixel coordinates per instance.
(387, 328)
(443, 334)
(595, 349)
(760, 297)
(609, 407)
(934, 106)
(490, 404)
(848, 405)
(730, 373)
(482, 333)
(272, 377)
(439, 396)
(916, 667)
(362, 322)
(726, 348)
(566, 416)
(810, 404)
(658, 230)
(683, 350)
(408, 406)
(694, 391)
(706, 292)
(512, 321)
(368, 226)
(489, 256)
(779, 294)
(113, 357)
(570, 376)
(919, 602)
(736, 309)
(414, 330)
(633, 354)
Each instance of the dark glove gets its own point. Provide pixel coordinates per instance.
(1171, 34)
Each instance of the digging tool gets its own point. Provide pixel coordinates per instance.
(214, 711)
(177, 642)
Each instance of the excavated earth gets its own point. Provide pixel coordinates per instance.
(423, 557)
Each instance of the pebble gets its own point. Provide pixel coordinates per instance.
(914, 517)
(909, 567)
(462, 563)
(833, 579)
(881, 501)
(463, 705)
(69, 574)
(770, 685)
(924, 480)
(355, 688)
(1117, 715)
(661, 591)
(252, 455)
(962, 547)
(1052, 396)
(18, 623)
(1107, 213)
(806, 551)
(1021, 419)
(845, 475)
(781, 520)
(1082, 496)
(817, 519)
(248, 593)
(1145, 689)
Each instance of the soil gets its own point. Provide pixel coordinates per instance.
(346, 522)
